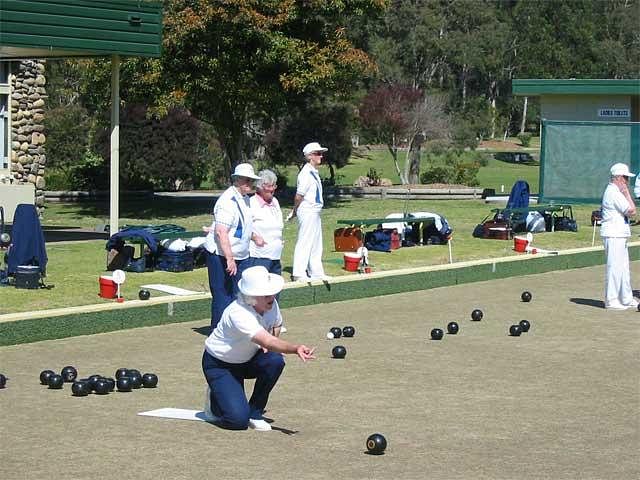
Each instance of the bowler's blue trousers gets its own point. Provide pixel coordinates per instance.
(224, 287)
(226, 381)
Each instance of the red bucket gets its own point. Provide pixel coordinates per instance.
(351, 262)
(108, 288)
(520, 244)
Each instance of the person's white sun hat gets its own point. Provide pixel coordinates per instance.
(313, 147)
(621, 169)
(258, 282)
(245, 170)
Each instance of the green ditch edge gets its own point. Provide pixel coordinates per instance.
(35, 330)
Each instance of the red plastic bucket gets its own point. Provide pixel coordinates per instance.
(351, 262)
(520, 244)
(108, 288)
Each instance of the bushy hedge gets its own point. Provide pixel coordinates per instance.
(452, 167)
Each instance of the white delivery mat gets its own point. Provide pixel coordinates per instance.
(176, 413)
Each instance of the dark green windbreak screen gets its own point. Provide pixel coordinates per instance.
(576, 157)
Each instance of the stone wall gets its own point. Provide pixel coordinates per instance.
(28, 95)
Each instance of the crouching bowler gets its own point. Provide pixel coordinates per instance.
(245, 345)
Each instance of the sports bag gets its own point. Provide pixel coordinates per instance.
(382, 240)
(347, 239)
(170, 261)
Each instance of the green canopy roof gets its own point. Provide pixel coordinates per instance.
(533, 87)
(73, 28)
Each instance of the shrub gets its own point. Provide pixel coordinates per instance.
(525, 139)
(454, 167)
(162, 153)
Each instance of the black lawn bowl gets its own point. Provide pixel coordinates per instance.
(437, 334)
(515, 330)
(348, 331)
(69, 374)
(136, 380)
(144, 294)
(55, 381)
(93, 380)
(337, 332)
(111, 383)
(376, 444)
(477, 315)
(339, 351)
(80, 388)
(121, 372)
(524, 326)
(453, 328)
(526, 296)
(133, 371)
(3, 381)
(149, 380)
(45, 375)
(123, 384)
(101, 387)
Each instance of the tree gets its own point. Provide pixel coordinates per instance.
(428, 120)
(385, 114)
(328, 124)
(232, 62)
(396, 115)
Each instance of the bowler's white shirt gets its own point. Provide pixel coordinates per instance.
(309, 187)
(267, 222)
(231, 341)
(614, 205)
(231, 210)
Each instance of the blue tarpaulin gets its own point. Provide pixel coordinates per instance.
(27, 240)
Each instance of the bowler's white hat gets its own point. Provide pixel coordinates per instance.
(621, 169)
(258, 282)
(245, 170)
(313, 147)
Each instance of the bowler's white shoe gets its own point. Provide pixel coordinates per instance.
(616, 306)
(259, 424)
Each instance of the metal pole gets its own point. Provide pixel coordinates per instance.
(114, 195)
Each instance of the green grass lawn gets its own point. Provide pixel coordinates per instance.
(74, 268)
(499, 175)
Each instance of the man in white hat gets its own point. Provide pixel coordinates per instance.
(617, 207)
(245, 344)
(307, 205)
(227, 241)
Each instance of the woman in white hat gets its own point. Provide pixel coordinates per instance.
(243, 345)
(307, 205)
(227, 241)
(617, 207)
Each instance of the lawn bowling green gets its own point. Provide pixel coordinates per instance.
(560, 401)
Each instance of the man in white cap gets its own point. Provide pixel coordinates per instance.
(227, 241)
(307, 205)
(617, 207)
(243, 345)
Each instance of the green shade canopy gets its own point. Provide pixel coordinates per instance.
(79, 28)
(533, 87)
